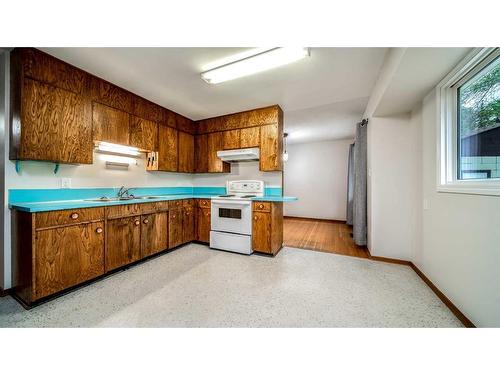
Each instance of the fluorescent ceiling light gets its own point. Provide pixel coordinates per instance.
(263, 60)
(114, 149)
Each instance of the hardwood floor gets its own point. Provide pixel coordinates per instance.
(321, 235)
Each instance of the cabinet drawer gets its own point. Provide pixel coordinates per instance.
(175, 204)
(65, 217)
(161, 206)
(262, 206)
(123, 210)
(203, 203)
(188, 202)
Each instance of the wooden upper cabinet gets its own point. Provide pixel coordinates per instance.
(48, 69)
(51, 124)
(231, 139)
(109, 124)
(250, 137)
(186, 152)
(215, 142)
(67, 256)
(201, 153)
(271, 145)
(113, 96)
(143, 133)
(147, 110)
(167, 149)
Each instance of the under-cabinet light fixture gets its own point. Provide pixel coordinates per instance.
(114, 149)
(263, 60)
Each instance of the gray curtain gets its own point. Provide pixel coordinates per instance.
(350, 185)
(359, 219)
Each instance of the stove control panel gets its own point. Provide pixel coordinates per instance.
(245, 186)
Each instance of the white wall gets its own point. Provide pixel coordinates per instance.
(239, 171)
(460, 250)
(393, 186)
(316, 173)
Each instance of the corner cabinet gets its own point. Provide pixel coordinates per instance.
(267, 228)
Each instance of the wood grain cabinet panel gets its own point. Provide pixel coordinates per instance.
(48, 69)
(68, 256)
(215, 143)
(111, 95)
(68, 217)
(267, 230)
(188, 222)
(167, 149)
(261, 232)
(271, 142)
(123, 242)
(231, 139)
(186, 152)
(148, 110)
(175, 236)
(250, 137)
(203, 223)
(154, 233)
(143, 133)
(55, 125)
(110, 125)
(201, 153)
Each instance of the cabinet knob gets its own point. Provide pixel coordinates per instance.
(173, 216)
(187, 213)
(74, 216)
(99, 230)
(261, 205)
(145, 221)
(137, 222)
(255, 217)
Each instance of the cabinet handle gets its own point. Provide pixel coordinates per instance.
(74, 216)
(137, 222)
(99, 230)
(145, 221)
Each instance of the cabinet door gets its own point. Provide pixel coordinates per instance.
(215, 143)
(203, 225)
(201, 153)
(231, 139)
(188, 225)
(167, 149)
(250, 137)
(186, 152)
(55, 125)
(68, 256)
(261, 232)
(270, 148)
(175, 228)
(154, 233)
(143, 133)
(123, 242)
(110, 125)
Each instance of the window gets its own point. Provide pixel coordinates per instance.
(469, 138)
(478, 124)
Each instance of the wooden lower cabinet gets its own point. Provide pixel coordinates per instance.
(203, 224)
(123, 242)
(67, 256)
(175, 227)
(188, 220)
(154, 233)
(267, 228)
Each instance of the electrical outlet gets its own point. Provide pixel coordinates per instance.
(65, 183)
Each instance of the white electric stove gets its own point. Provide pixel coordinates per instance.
(231, 227)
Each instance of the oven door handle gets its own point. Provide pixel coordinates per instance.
(226, 203)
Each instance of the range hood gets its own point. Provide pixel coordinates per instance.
(242, 154)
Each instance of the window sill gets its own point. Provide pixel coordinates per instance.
(491, 190)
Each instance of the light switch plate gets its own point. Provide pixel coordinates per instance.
(65, 183)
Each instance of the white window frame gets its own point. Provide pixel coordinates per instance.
(446, 96)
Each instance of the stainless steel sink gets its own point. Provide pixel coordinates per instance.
(106, 199)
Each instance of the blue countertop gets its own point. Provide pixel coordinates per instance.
(53, 205)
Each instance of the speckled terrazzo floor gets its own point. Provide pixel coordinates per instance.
(198, 287)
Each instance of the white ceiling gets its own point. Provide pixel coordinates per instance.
(320, 95)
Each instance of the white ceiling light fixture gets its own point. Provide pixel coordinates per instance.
(263, 60)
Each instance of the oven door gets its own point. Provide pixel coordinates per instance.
(232, 216)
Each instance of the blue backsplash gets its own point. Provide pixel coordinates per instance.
(42, 195)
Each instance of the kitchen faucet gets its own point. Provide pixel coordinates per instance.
(124, 193)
